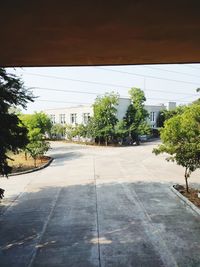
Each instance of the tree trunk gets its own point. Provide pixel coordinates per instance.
(35, 165)
(25, 154)
(106, 141)
(1, 193)
(186, 180)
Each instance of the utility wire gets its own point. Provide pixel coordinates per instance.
(148, 76)
(63, 90)
(110, 84)
(172, 71)
(66, 102)
(84, 103)
(75, 80)
(96, 93)
(192, 67)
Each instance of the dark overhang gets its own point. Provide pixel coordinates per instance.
(99, 32)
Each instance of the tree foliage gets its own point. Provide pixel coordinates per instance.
(105, 117)
(78, 131)
(181, 140)
(37, 120)
(57, 130)
(104, 126)
(13, 136)
(165, 115)
(38, 124)
(135, 122)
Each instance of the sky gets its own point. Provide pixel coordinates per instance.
(59, 87)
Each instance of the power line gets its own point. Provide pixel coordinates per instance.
(63, 90)
(192, 67)
(172, 71)
(56, 77)
(84, 103)
(95, 93)
(148, 76)
(68, 91)
(170, 100)
(66, 102)
(110, 84)
(75, 80)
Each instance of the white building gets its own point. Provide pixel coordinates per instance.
(70, 115)
(81, 114)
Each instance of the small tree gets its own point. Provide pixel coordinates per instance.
(70, 131)
(36, 147)
(136, 115)
(37, 125)
(81, 130)
(181, 140)
(105, 119)
(58, 130)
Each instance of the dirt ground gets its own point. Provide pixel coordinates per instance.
(19, 163)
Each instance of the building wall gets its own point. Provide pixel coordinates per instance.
(122, 107)
(153, 114)
(153, 111)
(79, 111)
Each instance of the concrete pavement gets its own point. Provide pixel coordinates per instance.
(98, 206)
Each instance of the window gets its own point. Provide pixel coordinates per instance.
(62, 118)
(53, 119)
(73, 118)
(86, 117)
(152, 116)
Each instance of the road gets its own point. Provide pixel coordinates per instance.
(98, 206)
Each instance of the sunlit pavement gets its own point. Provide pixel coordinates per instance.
(98, 206)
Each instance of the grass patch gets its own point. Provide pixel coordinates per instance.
(19, 163)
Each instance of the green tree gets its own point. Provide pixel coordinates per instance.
(37, 120)
(37, 146)
(71, 131)
(81, 130)
(58, 130)
(121, 131)
(167, 114)
(105, 119)
(197, 101)
(181, 140)
(13, 136)
(37, 124)
(136, 115)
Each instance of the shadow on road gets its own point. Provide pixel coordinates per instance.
(66, 156)
(119, 224)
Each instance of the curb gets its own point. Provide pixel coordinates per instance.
(185, 200)
(32, 170)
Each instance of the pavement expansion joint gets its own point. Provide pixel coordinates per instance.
(44, 227)
(151, 231)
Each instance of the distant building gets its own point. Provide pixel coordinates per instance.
(70, 115)
(81, 114)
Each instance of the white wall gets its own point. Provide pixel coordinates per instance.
(121, 111)
(156, 110)
(79, 110)
(122, 107)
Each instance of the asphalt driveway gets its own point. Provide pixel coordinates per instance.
(98, 206)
